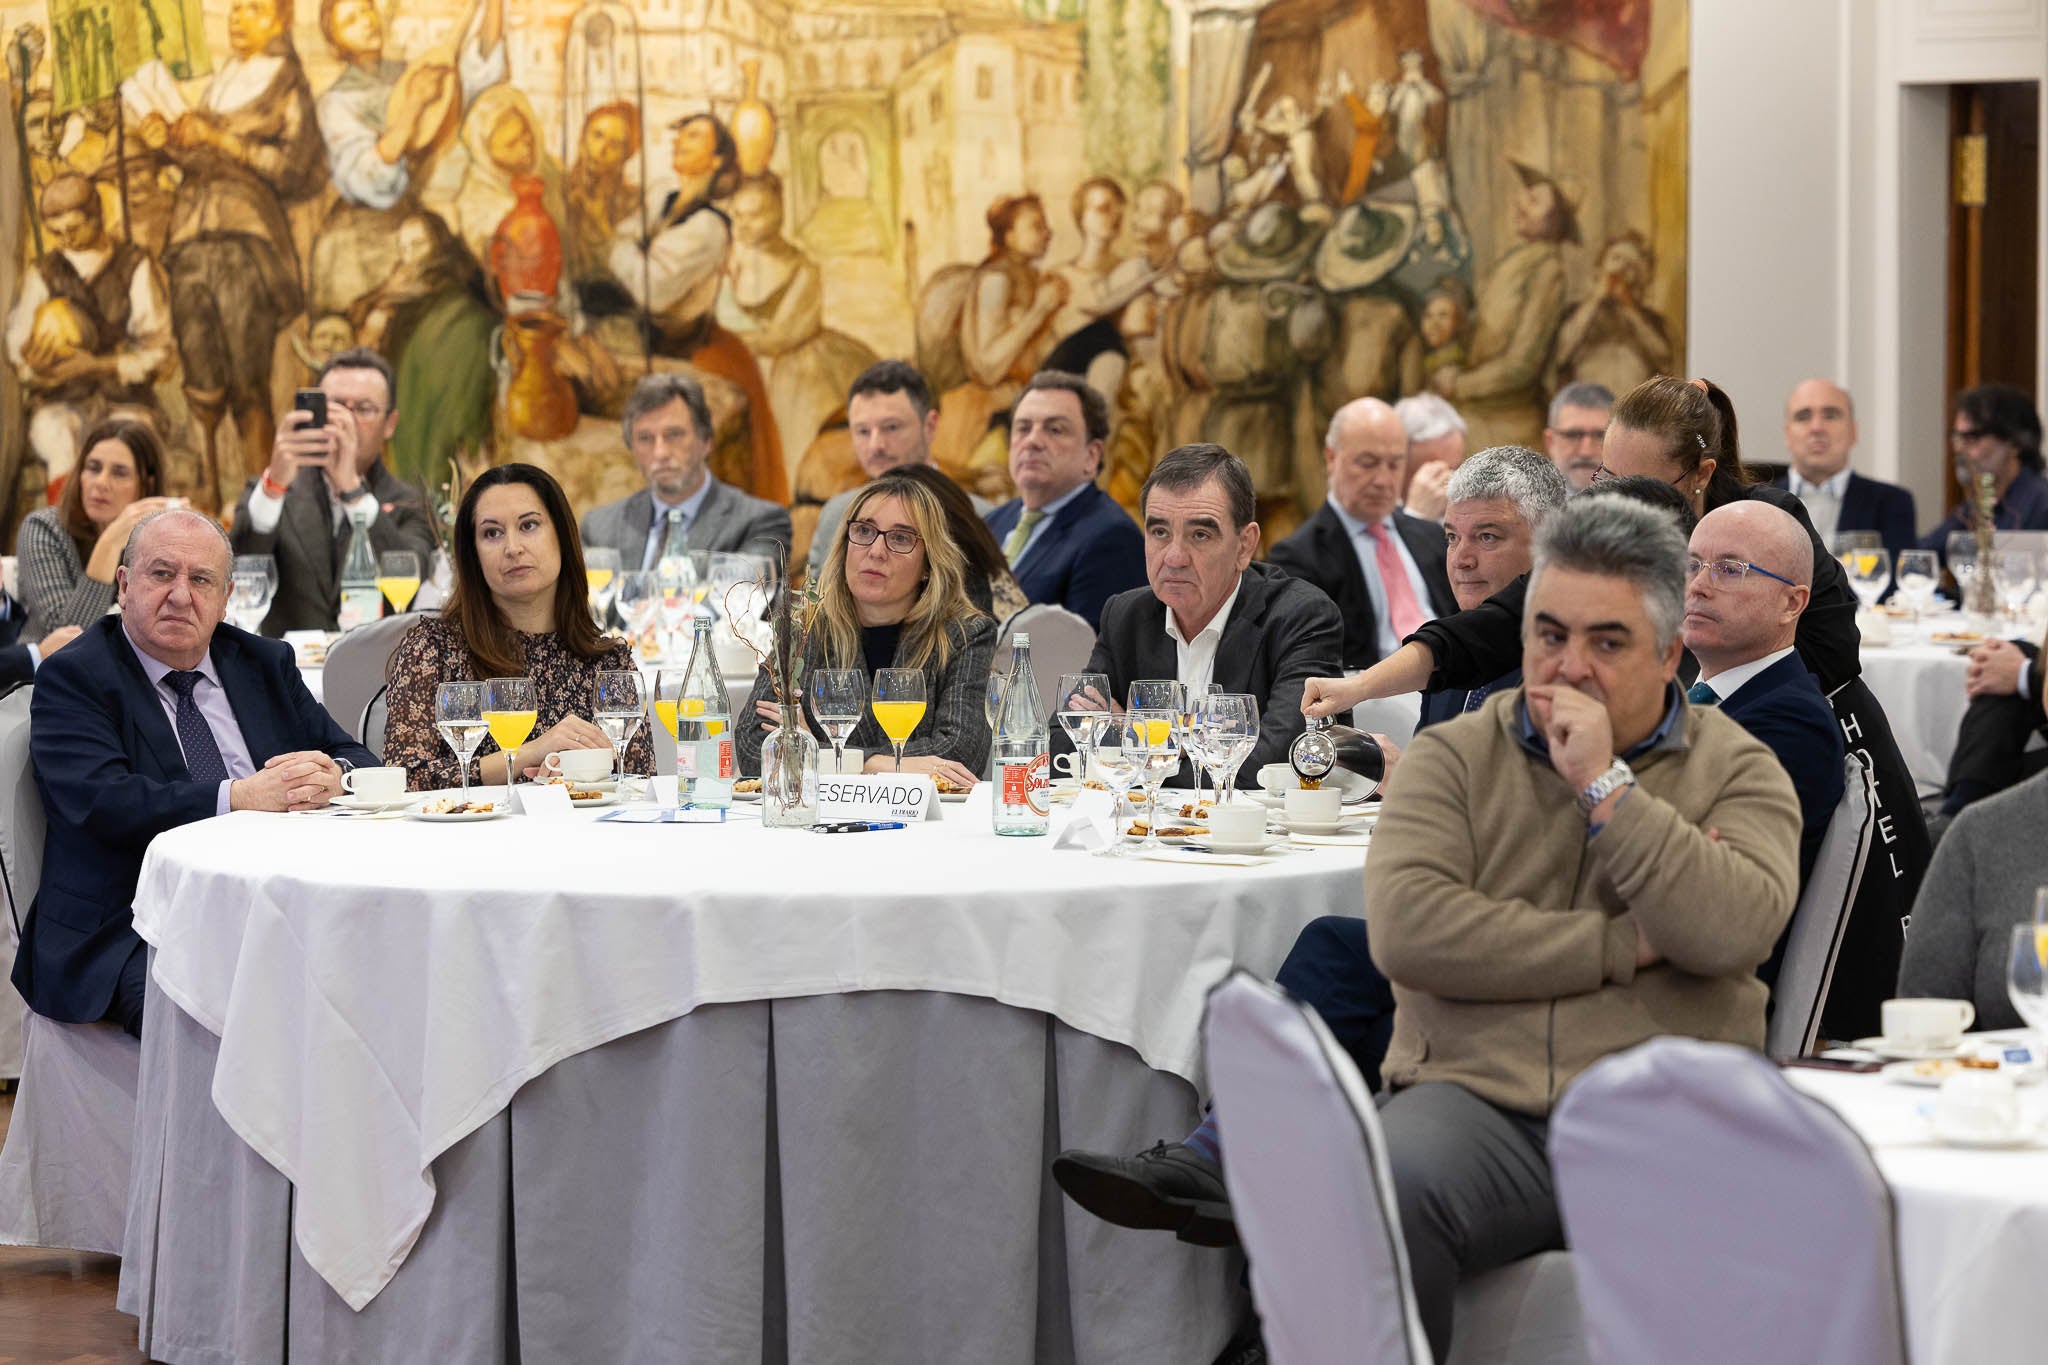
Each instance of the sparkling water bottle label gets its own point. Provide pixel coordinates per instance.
(1029, 784)
(725, 768)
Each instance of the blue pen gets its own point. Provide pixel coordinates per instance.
(858, 826)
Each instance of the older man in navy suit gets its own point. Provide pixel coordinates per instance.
(1067, 541)
(151, 720)
(1820, 431)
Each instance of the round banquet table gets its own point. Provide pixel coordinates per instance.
(1919, 683)
(586, 1090)
(1971, 1225)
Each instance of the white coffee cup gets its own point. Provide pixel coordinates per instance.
(585, 765)
(1240, 824)
(1927, 1023)
(374, 784)
(1066, 764)
(1982, 1106)
(1323, 806)
(1279, 777)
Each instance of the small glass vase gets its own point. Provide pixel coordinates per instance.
(789, 778)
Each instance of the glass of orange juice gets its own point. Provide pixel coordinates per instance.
(510, 712)
(898, 704)
(398, 576)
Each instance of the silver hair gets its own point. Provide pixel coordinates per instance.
(141, 529)
(1584, 394)
(1617, 538)
(1516, 473)
(658, 390)
(1428, 416)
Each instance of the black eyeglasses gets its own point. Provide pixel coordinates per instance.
(1578, 436)
(1726, 573)
(1963, 440)
(899, 541)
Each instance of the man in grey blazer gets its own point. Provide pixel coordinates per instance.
(668, 429)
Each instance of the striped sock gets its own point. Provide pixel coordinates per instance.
(1205, 1141)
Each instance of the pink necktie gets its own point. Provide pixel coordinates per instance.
(1401, 604)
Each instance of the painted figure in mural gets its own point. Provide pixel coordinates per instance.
(1375, 352)
(1090, 343)
(1141, 410)
(502, 135)
(248, 151)
(598, 196)
(1005, 333)
(1612, 338)
(779, 296)
(383, 120)
(91, 328)
(676, 277)
(1446, 312)
(1519, 309)
(40, 128)
(1293, 125)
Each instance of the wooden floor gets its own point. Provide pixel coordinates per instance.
(57, 1307)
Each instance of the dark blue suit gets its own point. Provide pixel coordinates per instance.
(1873, 505)
(112, 778)
(1447, 702)
(1784, 708)
(1086, 554)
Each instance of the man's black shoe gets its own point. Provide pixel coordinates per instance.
(1168, 1187)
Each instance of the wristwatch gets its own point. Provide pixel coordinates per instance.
(1616, 776)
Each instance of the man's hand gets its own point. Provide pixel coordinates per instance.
(1327, 696)
(1994, 669)
(955, 773)
(57, 639)
(298, 445)
(1646, 952)
(342, 475)
(1429, 494)
(1580, 735)
(1088, 699)
(305, 780)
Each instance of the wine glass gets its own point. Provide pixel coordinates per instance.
(898, 705)
(668, 697)
(459, 716)
(680, 593)
(1117, 763)
(1232, 720)
(1917, 573)
(2026, 979)
(1194, 738)
(1962, 562)
(1082, 716)
(638, 594)
(398, 578)
(2015, 572)
(1157, 694)
(618, 708)
(1861, 554)
(1156, 738)
(838, 696)
(252, 585)
(511, 713)
(601, 576)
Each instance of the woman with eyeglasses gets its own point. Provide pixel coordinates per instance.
(1996, 431)
(893, 594)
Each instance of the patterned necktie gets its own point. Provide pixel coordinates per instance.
(1020, 534)
(1699, 694)
(1476, 696)
(1406, 612)
(195, 737)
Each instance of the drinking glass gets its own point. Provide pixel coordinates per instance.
(398, 578)
(2015, 572)
(2026, 979)
(1117, 761)
(668, 696)
(1861, 554)
(1962, 562)
(1194, 738)
(1157, 694)
(899, 704)
(638, 594)
(727, 572)
(1917, 573)
(252, 587)
(511, 713)
(992, 701)
(838, 696)
(1233, 724)
(680, 594)
(459, 716)
(618, 709)
(1083, 716)
(1156, 738)
(601, 576)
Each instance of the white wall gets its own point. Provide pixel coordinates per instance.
(1817, 219)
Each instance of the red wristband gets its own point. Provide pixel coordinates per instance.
(271, 487)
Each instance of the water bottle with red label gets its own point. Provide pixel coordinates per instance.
(1023, 796)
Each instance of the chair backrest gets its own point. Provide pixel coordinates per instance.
(1702, 1196)
(356, 667)
(1309, 1184)
(1061, 642)
(1822, 915)
(21, 812)
(370, 734)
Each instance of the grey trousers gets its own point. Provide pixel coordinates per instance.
(1473, 1186)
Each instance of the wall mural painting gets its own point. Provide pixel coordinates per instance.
(1232, 216)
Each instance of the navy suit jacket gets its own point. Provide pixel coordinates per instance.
(1873, 505)
(16, 664)
(1084, 556)
(112, 778)
(1320, 552)
(1784, 707)
(1449, 702)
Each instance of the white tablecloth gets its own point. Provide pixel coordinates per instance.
(1920, 687)
(382, 988)
(1972, 1225)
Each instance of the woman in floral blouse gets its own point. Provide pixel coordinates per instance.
(521, 608)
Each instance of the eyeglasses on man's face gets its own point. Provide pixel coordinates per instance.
(1964, 438)
(1726, 573)
(364, 408)
(1579, 436)
(863, 533)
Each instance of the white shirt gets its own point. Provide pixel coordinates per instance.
(657, 530)
(1369, 565)
(1196, 659)
(1729, 681)
(266, 509)
(1823, 500)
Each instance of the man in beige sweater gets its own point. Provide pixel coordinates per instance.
(1583, 863)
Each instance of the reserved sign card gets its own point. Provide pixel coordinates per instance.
(878, 796)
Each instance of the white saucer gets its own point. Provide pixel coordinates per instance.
(349, 802)
(954, 798)
(1902, 1051)
(1904, 1074)
(1262, 845)
(2024, 1136)
(610, 798)
(746, 796)
(457, 817)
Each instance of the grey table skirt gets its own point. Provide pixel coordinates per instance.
(846, 1178)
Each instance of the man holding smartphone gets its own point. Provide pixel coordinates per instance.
(320, 473)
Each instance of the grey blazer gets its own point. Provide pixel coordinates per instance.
(54, 587)
(309, 550)
(729, 521)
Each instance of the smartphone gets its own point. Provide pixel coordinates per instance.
(313, 401)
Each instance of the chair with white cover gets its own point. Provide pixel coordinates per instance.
(1822, 915)
(1310, 1187)
(1061, 642)
(1716, 1213)
(358, 666)
(17, 777)
(64, 1170)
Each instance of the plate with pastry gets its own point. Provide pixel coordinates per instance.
(454, 810)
